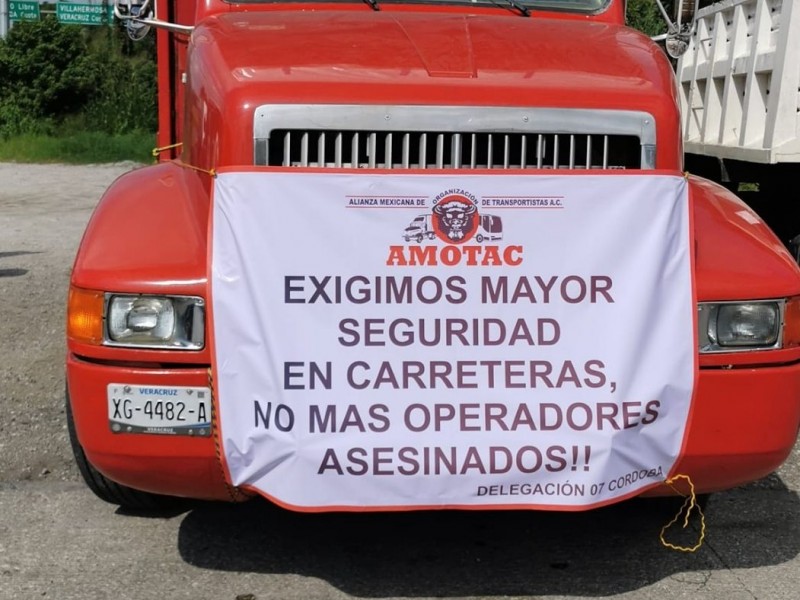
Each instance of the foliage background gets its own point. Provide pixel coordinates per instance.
(74, 92)
(63, 79)
(645, 16)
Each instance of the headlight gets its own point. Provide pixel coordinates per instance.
(167, 322)
(737, 326)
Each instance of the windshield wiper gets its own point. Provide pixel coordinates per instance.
(373, 4)
(523, 10)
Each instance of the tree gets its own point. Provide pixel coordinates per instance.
(46, 73)
(58, 76)
(645, 16)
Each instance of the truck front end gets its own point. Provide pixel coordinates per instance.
(579, 323)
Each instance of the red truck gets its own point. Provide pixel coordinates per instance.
(243, 319)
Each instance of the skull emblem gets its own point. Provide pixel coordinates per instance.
(454, 218)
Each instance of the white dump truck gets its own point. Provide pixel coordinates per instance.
(739, 84)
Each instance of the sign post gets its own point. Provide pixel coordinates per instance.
(4, 21)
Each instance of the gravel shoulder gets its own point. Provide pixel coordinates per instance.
(43, 212)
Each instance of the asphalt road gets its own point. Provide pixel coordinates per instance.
(58, 541)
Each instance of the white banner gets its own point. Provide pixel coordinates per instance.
(414, 340)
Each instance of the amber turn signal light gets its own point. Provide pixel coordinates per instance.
(85, 315)
(791, 323)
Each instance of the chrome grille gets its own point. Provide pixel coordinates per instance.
(419, 137)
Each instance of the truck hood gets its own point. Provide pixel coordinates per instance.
(244, 59)
(403, 48)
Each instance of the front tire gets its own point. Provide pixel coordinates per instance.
(111, 491)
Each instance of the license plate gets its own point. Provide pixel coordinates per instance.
(166, 410)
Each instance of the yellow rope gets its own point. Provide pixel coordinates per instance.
(689, 504)
(157, 151)
(211, 171)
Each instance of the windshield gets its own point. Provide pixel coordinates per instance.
(583, 6)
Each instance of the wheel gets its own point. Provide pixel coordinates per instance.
(108, 490)
(479, 238)
(431, 235)
(419, 238)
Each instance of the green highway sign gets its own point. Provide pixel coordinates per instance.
(84, 14)
(23, 10)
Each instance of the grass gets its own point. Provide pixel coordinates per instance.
(79, 148)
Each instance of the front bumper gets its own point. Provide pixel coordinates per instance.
(743, 424)
(163, 464)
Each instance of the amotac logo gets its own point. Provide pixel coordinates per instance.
(454, 219)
